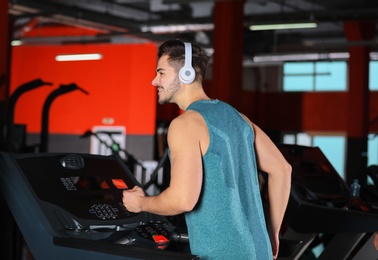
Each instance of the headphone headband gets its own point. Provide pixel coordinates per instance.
(188, 54)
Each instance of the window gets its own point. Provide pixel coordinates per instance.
(373, 75)
(372, 149)
(315, 76)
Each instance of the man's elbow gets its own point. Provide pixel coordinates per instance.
(282, 172)
(287, 170)
(187, 205)
(186, 200)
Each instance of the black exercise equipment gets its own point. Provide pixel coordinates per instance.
(154, 175)
(131, 161)
(115, 148)
(372, 172)
(320, 196)
(3, 84)
(69, 206)
(10, 126)
(63, 89)
(320, 202)
(13, 139)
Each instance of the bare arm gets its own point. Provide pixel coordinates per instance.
(186, 173)
(271, 161)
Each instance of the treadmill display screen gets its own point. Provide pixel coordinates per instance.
(91, 183)
(85, 183)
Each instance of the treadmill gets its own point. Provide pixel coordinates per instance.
(69, 206)
(320, 202)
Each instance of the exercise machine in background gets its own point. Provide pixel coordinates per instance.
(63, 89)
(108, 145)
(14, 138)
(150, 174)
(322, 209)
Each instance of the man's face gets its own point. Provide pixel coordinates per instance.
(166, 81)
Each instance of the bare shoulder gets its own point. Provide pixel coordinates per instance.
(188, 122)
(188, 129)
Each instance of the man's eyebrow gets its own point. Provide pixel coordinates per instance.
(159, 69)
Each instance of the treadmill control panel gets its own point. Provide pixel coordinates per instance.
(82, 191)
(151, 235)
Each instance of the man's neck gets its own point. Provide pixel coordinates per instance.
(190, 94)
(191, 99)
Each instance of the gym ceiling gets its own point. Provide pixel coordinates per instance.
(192, 20)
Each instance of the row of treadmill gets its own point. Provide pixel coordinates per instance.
(69, 206)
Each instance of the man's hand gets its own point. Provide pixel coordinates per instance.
(375, 240)
(275, 242)
(132, 199)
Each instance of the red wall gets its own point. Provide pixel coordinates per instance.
(303, 111)
(119, 87)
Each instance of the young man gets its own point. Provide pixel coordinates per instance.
(214, 153)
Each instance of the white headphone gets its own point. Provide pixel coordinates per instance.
(187, 74)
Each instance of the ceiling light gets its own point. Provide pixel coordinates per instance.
(173, 28)
(300, 57)
(23, 9)
(306, 57)
(264, 27)
(78, 57)
(16, 43)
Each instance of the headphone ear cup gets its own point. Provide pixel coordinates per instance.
(187, 74)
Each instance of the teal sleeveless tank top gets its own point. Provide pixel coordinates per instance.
(228, 221)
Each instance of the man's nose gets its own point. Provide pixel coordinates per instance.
(154, 81)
